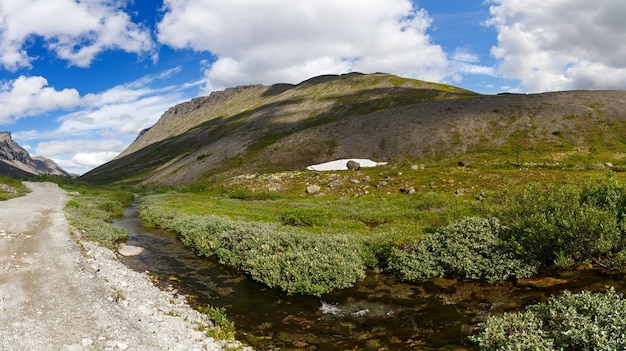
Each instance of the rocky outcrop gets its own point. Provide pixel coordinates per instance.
(16, 162)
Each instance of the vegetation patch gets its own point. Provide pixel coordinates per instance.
(222, 328)
(576, 322)
(11, 188)
(278, 256)
(563, 225)
(471, 248)
(92, 211)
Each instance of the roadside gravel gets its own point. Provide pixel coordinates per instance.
(60, 293)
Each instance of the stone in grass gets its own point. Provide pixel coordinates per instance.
(313, 189)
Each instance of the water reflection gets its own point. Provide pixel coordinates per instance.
(379, 313)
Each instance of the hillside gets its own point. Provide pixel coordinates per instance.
(378, 116)
(16, 162)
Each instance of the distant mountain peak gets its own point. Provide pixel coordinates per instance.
(16, 162)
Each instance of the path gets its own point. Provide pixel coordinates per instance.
(59, 294)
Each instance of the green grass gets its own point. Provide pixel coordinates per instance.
(92, 209)
(385, 222)
(17, 184)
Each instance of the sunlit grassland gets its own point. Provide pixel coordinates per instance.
(444, 192)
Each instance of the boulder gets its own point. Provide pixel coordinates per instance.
(353, 165)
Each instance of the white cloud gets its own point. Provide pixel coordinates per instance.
(28, 96)
(75, 31)
(123, 116)
(57, 148)
(271, 41)
(84, 161)
(565, 44)
(101, 125)
(78, 156)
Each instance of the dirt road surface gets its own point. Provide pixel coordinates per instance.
(57, 293)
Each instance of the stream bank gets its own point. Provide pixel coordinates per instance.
(379, 313)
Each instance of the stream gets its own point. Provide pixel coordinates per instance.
(379, 313)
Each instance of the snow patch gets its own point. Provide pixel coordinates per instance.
(342, 165)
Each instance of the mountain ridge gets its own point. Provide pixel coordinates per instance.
(16, 162)
(379, 116)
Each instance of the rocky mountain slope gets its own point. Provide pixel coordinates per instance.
(377, 116)
(16, 162)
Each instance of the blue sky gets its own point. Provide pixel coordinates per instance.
(80, 79)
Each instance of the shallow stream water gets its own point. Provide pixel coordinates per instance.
(379, 313)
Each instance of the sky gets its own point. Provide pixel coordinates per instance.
(79, 79)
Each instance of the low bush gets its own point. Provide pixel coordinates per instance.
(92, 213)
(576, 322)
(113, 208)
(564, 225)
(304, 217)
(278, 256)
(470, 248)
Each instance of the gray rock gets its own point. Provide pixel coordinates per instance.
(408, 190)
(7, 189)
(353, 165)
(313, 189)
(335, 183)
(129, 250)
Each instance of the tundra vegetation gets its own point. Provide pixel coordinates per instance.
(583, 321)
(481, 221)
(506, 223)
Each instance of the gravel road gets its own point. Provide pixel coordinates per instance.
(60, 293)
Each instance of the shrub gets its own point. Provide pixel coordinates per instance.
(307, 264)
(564, 225)
(470, 248)
(113, 208)
(278, 256)
(94, 228)
(584, 321)
(93, 211)
(303, 217)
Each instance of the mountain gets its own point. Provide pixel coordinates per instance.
(379, 116)
(15, 161)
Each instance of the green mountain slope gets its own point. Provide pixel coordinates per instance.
(378, 116)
